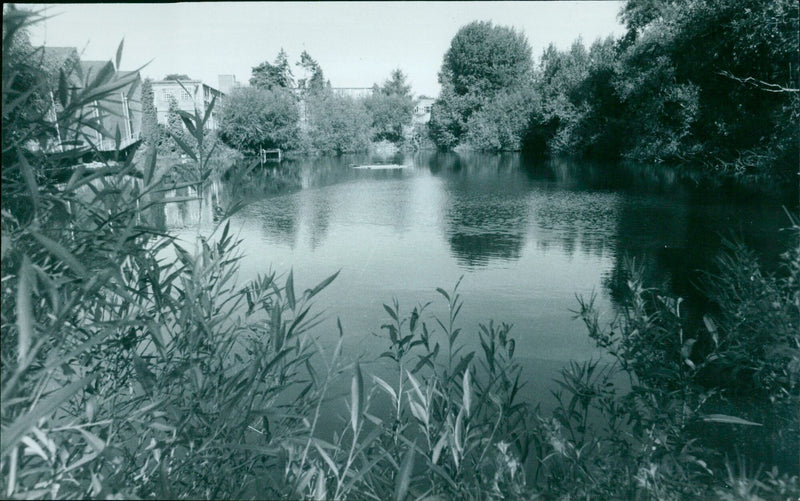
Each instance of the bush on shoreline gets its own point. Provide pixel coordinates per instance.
(698, 84)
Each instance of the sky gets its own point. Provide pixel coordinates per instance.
(356, 43)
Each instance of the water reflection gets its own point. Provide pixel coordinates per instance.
(573, 221)
(677, 239)
(319, 209)
(527, 235)
(485, 205)
(280, 219)
(198, 210)
(478, 232)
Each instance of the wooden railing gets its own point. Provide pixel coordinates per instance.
(264, 155)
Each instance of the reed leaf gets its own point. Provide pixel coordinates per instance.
(467, 392)
(386, 387)
(97, 444)
(403, 479)
(62, 253)
(12, 434)
(290, 290)
(30, 180)
(724, 418)
(118, 56)
(25, 319)
(357, 398)
(184, 146)
(327, 458)
(309, 293)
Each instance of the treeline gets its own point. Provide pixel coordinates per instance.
(306, 115)
(701, 83)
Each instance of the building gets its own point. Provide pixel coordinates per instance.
(118, 114)
(120, 111)
(354, 92)
(188, 95)
(422, 111)
(227, 83)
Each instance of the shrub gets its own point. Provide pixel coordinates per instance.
(337, 124)
(252, 118)
(679, 375)
(501, 124)
(391, 108)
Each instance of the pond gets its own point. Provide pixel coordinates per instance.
(524, 237)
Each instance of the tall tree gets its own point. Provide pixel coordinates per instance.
(276, 74)
(482, 61)
(173, 128)
(314, 79)
(253, 118)
(391, 108)
(715, 83)
(150, 129)
(396, 85)
(337, 124)
(286, 77)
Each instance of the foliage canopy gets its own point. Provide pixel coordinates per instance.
(483, 60)
(254, 117)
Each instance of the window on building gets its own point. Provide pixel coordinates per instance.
(167, 94)
(185, 96)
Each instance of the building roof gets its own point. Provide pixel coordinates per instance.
(59, 53)
(185, 83)
(93, 68)
(190, 81)
(58, 58)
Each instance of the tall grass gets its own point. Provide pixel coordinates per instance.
(126, 373)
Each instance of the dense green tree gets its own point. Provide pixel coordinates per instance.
(560, 76)
(151, 132)
(449, 116)
(485, 58)
(337, 124)
(277, 74)
(314, 78)
(482, 61)
(253, 118)
(396, 85)
(746, 74)
(637, 14)
(391, 108)
(581, 113)
(709, 84)
(501, 124)
(718, 80)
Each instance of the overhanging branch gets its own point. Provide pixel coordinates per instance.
(759, 84)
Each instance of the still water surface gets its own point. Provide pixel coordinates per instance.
(526, 237)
